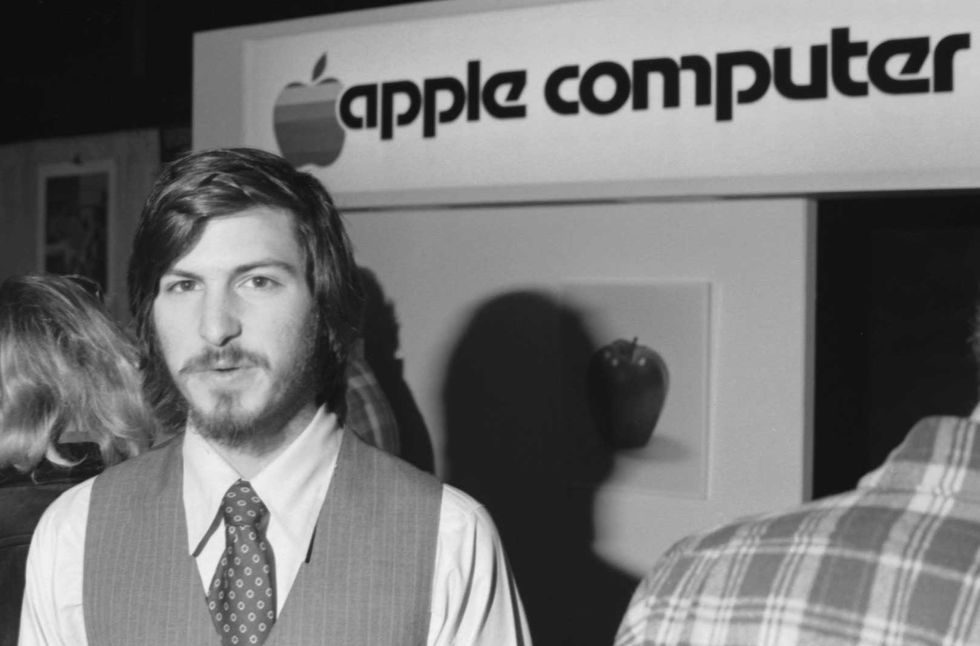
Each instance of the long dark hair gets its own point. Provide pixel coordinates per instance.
(212, 183)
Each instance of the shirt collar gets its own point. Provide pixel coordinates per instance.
(939, 456)
(292, 486)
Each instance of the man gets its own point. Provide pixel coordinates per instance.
(896, 561)
(264, 521)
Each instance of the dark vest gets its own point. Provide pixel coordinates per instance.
(368, 579)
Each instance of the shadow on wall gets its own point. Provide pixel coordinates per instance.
(381, 351)
(520, 439)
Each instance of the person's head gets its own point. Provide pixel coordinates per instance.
(65, 368)
(244, 292)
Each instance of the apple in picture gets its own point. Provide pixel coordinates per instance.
(305, 120)
(627, 385)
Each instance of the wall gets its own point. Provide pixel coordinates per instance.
(135, 156)
(439, 267)
(478, 298)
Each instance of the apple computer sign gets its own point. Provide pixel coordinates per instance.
(312, 119)
(305, 120)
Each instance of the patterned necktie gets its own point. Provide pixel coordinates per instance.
(242, 597)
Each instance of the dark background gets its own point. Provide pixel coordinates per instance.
(896, 299)
(73, 67)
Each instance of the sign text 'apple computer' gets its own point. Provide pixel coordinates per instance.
(896, 66)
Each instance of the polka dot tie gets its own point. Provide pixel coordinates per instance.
(242, 597)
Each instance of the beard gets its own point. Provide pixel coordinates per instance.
(229, 423)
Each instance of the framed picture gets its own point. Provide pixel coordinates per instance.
(664, 325)
(77, 207)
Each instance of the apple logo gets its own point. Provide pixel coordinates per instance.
(305, 120)
(627, 385)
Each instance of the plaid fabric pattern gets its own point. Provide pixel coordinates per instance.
(369, 414)
(896, 561)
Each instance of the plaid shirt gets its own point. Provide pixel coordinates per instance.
(896, 561)
(369, 414)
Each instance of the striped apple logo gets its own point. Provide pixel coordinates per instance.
(305, 120)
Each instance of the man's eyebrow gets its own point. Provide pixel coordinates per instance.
(270, 263)
(174, 272)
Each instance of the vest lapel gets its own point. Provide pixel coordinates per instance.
(368, 580)
(140, 584)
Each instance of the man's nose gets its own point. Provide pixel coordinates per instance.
(220, 321)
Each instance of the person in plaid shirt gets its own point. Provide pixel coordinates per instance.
(369, 414)
(896, 561)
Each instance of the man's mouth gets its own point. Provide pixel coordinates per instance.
(223, 372)
(223, 363)
(229, 369)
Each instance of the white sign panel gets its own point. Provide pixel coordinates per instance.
(787, 96)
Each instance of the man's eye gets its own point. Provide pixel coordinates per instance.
(179, 286)
(260, 282)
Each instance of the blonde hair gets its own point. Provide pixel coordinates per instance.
(65, 367)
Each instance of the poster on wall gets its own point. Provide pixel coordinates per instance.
(76, 209)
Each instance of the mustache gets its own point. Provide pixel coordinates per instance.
(224, 358)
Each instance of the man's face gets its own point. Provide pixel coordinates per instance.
(236, 325)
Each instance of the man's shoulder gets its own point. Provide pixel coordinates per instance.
(459, 513)
(135, 482)
(466, 519)
(398, 468)
(137, 466)
(741, 559)
(815, 519)
(67, 515)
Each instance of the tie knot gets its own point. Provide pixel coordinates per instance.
(242, 506)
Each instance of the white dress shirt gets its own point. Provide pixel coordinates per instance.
(474, 598)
